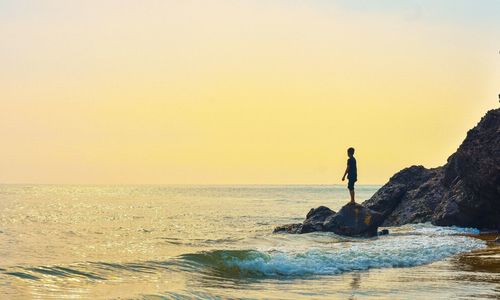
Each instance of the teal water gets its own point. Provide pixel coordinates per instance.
(185, 242)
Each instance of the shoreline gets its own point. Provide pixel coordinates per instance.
(486, 259)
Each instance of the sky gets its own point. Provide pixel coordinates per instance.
(239, 92)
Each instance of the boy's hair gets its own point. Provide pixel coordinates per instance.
(350, 151)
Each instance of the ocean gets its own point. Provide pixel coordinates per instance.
(216, 242)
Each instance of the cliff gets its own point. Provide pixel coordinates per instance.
(463, 192)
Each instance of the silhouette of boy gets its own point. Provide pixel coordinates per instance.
(352, 173)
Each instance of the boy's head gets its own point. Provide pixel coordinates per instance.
(350, 151)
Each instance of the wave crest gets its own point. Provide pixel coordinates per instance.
(401, 251)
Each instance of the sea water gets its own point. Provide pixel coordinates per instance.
(184, 242)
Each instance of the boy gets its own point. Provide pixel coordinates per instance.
(352, 173)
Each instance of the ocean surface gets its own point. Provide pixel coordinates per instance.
(216, 242)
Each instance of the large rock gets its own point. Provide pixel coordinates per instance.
(410, 196)
(354, 220)
(351, 220)
(463, 192)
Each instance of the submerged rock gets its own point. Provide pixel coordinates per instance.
(289, 228)
(464, 192)
(383, 232)
(351, 220)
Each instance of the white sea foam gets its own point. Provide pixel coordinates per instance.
(427, 244)
(427, 228)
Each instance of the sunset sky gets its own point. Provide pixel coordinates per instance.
(223, 92)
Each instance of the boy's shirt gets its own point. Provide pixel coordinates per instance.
(352, 170)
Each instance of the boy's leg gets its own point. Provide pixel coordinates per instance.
(350, 186)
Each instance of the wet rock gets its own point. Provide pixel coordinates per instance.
(354, 220)
(315, 219)
(464, 192)
(313, 222)
(351, 220)
(487, 231)
(289, 228)
(383, 232)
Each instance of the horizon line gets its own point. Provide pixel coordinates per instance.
(190, 184)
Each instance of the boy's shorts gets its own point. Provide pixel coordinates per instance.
(350, 184)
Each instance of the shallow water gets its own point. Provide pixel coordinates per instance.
(156, 242)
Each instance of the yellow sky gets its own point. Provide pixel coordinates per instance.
(238, 91)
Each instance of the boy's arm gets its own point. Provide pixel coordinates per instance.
(345, 173)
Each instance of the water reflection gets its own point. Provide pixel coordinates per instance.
(355, 284)
(481, 260)
(356, 281)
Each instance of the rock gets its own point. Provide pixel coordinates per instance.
(354, 220)
(351, 220)
(464, 192)
(289, 228)
(313, 222)
(315, 219)
(487, 231)
(404, 199)
(383, 232)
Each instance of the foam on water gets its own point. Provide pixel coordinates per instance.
(424, 244)
(427, 228)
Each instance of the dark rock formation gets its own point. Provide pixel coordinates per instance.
(463, 192)
(351, 220)
(410, 196)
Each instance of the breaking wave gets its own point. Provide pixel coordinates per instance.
(286, 255)
(388, 252)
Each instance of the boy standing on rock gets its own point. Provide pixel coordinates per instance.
(352, 173)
